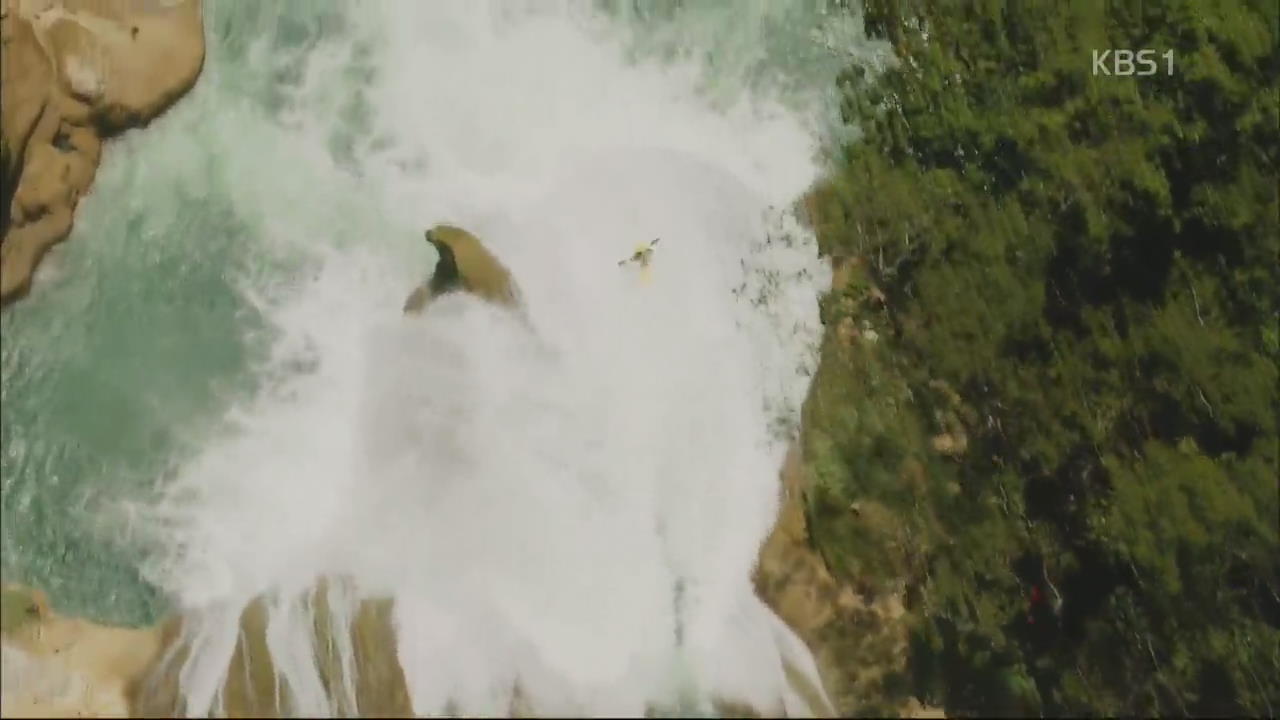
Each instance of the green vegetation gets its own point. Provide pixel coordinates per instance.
(1061, 431)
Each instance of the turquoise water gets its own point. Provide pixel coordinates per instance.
(136, 335)
(108, 370)
(147, 324)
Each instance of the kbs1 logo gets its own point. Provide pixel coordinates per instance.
(1127, 63)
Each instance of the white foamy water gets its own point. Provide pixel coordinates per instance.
(572, 500)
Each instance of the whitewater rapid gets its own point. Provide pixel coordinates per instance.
(572, 499)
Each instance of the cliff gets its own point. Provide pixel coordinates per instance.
(858, 631)
(76, 72)
(1062, 441)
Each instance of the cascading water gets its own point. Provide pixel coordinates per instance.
(564, 505)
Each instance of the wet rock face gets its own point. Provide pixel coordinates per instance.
(60, 666)
(25, 76)
(465, 265)
(76, 72)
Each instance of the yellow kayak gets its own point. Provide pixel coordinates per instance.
(642, 256)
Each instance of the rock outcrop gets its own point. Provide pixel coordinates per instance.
(464, 265)
(858, 635)
(76, 72)
(57, 666)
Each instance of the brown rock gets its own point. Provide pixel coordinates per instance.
(952, 445)
(64, 666)
(23, 246)
(942, 386)
(77, 71)
(789, 575)
(464, 265)
(74, 111)
(857, 638)
(26, 75)
(130, 60)
(43, 185)
(915, 709)
(847, 331)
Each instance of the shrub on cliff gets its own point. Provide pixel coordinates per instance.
(1080, 282)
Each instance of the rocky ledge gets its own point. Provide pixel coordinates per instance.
(76, 72)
